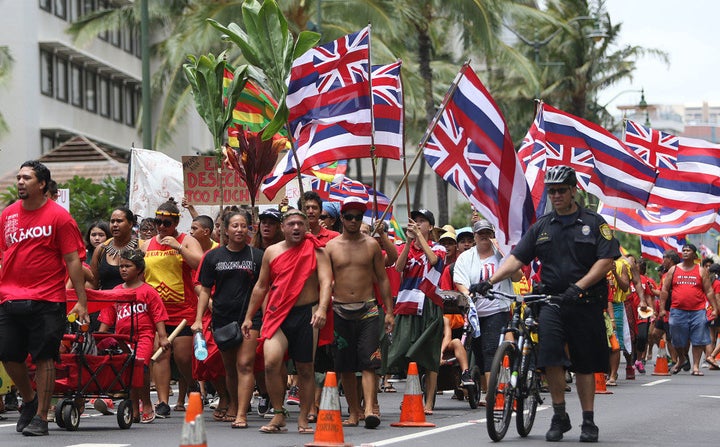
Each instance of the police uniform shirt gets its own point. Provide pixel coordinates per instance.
(567, 247)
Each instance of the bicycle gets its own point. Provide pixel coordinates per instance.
(514, 383)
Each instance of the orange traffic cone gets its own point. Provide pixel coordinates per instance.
(412, 413)
(193, 431)
(504, 376)
(600, 387)
(661, 362)
(329, 429)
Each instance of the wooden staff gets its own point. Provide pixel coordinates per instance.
(171, 337)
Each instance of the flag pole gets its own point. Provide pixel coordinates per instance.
(297, 164)
(428, 132)
(373, 158)
(404, 154)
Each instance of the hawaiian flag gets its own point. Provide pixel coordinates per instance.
(532, 155)
(605, 166)
(470, 147)
(688, 169)
(657, 221)
(655, 147)
(652, 248)
(329, 83)
(325, 143)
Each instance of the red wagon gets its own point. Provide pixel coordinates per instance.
(112, 373)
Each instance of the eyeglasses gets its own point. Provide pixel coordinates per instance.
(552, 191)
(355, 217)
(324, 216)
(164, 222)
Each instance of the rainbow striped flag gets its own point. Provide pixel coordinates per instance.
(254, 110)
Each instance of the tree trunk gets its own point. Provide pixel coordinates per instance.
(424, 57)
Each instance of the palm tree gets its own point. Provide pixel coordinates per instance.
(6, 63)
(573, 67)
(432, 37)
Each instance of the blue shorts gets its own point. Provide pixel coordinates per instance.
(689, 325)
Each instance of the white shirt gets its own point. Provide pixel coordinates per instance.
(470, 269)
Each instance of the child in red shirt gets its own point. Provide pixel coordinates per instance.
(150, 316)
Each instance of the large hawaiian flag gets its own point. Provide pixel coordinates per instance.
(471, 148)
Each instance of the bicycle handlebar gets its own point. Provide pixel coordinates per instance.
(528, 298)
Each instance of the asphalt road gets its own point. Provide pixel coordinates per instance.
(651, 410)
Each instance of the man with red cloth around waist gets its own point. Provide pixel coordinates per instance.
(296, 277)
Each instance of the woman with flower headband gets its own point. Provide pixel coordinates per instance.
(170, 258)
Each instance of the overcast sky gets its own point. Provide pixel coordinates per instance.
(688, 31)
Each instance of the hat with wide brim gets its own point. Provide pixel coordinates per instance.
(647, 313)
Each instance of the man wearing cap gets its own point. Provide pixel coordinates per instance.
(691, 291)
(475, 266)
(418, 309)
(576, 249)
(357, 262)
(295, 283)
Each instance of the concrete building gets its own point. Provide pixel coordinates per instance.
(58, 90)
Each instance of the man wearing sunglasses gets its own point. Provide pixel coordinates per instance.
(576, 249)
(357, 262)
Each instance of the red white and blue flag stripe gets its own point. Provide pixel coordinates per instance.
(329, 83)
(656, 221)
(652, 248)
(532, 155)
(606, 167)
(319, 143)
(470, 147)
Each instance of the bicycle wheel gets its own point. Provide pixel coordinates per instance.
(528, 395)
(500, 394)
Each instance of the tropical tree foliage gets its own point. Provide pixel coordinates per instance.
(580, 57)
(6, 63)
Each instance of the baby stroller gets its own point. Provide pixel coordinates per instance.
(81, 374)
(455, 303)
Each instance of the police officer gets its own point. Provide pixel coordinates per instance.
(576, 249)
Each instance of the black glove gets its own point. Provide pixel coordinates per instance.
(480, 288)
(573, 294)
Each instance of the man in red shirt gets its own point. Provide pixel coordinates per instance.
(691, 288)
(39, 239)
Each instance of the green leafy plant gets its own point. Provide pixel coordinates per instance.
(267, 45)
(205, 75)
(91, 201)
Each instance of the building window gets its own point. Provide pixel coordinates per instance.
(104, 96)
(46, 5)
(90, 91)
(130, 105)
(46, 73)
(47, 143)
(115, 38)
(88, 6)
(61, 9)
(117, 101)
(61, 79)
(128, 41)
(77, 92)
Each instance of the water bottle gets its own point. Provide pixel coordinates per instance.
(200, 346)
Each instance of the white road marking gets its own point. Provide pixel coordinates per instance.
(711, 397)
(431, 432)
(98, 445)
(655, 382)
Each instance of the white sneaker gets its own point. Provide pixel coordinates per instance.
(214, 403)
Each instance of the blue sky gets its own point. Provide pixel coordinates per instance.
(688, 32)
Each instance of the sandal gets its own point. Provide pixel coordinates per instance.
(229, 418)
(306, 430)
(219, 414)
(179, 407)
(389, 388)
(272, 429)
(239, 424)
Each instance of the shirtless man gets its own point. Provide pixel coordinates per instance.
(357, 262)
(296, 277)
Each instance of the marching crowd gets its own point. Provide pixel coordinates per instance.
(300, 291)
